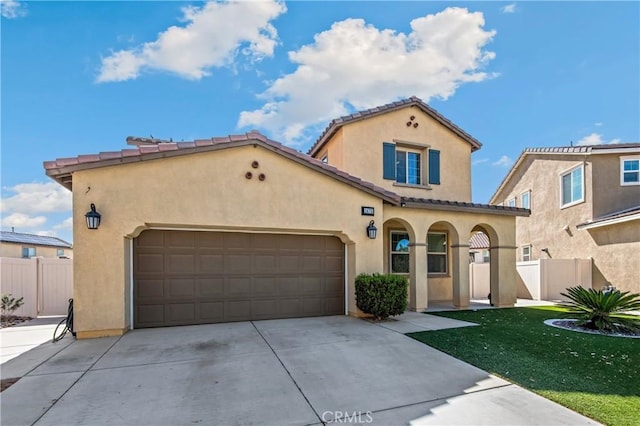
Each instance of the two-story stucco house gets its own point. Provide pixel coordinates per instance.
(585, 203)
(244, 228)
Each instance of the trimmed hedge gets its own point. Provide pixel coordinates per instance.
(381, 295)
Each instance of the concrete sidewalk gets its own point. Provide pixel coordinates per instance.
(298, 371)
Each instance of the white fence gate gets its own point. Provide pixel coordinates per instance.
(545, 279)
(45, 283)
(479, 278)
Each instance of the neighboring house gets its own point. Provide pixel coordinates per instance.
(585, 203)
(243, 228)
(479, 246)
(17, 244)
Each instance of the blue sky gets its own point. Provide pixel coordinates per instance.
(79, 77)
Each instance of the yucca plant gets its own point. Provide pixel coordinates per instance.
(603, 310)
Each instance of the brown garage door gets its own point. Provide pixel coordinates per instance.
(185, 277)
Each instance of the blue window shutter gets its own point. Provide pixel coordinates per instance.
(388, 161)
(434, 166)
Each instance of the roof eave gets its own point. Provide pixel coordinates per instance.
(469, 209)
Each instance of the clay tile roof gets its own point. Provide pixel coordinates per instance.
(337, 123)
(479, 240)
(61, 169)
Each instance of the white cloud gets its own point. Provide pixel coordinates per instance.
(213, 36)
(21, 220)
(595, 139)
(598, 124)
(504, 161)
(66, 225)
(354, 65)
(480, 161)
(37, 197)
(509, 8)
(12, 9)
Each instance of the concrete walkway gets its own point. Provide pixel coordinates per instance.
(25, 336)
(300, 372)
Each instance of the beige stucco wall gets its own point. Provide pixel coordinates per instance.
(614, 248)
(333, 150)
(203, 191)
(361, 143)
(608, 195)
(15, 250)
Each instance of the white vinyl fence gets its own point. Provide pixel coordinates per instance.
(45, 283)
(545, 279)
(479, 278)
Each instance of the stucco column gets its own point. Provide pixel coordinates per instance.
(460, 265)
(418, 291)
(503, 276)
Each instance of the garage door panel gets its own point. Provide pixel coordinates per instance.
(238, 287)
(266, 263)
(238, 310)
(180, 239)
(207, 277)
(150, 288)
(210, 287)
(212, 311)
(182, 312)
(239, 263)
(181, 287)
(211, 263)
(150, 314)
(265, 286)
(152, 262)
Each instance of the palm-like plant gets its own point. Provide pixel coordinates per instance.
(603, 310)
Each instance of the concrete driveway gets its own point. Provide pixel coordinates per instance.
(298, 371)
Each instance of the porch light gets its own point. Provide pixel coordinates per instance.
(93, 218)
(372, 231)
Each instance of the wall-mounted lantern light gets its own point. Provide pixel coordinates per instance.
(93, 218)
(372, 230)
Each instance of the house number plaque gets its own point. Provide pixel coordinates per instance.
(368, 211)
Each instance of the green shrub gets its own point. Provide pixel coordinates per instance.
(10, 304)
(381, 295)
(601, 310)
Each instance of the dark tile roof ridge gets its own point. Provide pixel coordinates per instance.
(619, 213)
(5, 234)
(459, 204)
(413, 100)
(579, 148)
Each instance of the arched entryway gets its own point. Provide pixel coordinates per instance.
(483, 270)
(442, 243)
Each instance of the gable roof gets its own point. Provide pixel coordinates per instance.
(39, 240)
(151, 149)
(337, 123)
(619, 148)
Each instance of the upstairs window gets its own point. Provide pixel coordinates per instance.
(511, 202)
(407, 164)
(630, 170)
(526, 253)
(572, 186)
(408, 167)
(526, 200)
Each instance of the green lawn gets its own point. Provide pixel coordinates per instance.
(598, 376)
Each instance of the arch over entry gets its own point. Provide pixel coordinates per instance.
(443, 274)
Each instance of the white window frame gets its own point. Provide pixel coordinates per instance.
(528, 195)
(60, 252)
(526, 257)
(511, 202)
(392, 251)
(622, 172)
(406, 153)
(437, 253)
(568, 172)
